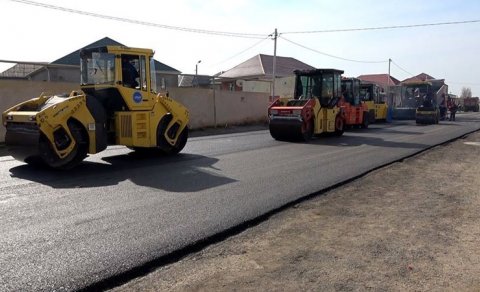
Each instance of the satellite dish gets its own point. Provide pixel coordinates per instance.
(239, 83)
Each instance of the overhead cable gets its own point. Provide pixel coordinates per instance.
(241, 52)
(398, 66)
(140, 22)
(384, 27)
(330, 55)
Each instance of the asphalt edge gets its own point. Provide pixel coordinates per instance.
(175, 256)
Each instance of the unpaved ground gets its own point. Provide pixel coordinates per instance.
(414, 225)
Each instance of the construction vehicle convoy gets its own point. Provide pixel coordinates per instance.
(323, 102)
(314, 110)
(370, 95)
(118, 105)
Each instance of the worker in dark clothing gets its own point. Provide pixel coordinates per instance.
(452, 107)
(428, 100)
(443, 108)
(129, 74)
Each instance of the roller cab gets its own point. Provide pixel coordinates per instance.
(377, 107)
(357, 113)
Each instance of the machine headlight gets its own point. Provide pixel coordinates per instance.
(274, 112)
(297, 112)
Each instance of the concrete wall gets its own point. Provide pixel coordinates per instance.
(221, 107)
(207, 107)
(14, 91)
(284, 86)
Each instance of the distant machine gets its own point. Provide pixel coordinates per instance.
(377, 107)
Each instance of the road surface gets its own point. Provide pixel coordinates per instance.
(117, 211)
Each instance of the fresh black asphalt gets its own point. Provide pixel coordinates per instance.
(67, 230)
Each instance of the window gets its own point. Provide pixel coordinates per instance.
(97, 68)
(130, 71)
(327, 86)
(153, 76)
(337, 86)
(143, 73)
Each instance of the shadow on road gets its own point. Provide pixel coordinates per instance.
(182, 173)
(389, 131)
(351, 141)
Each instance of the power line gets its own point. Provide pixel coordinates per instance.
(241, 52)
(139, 22)
(398, 66)
(384, 27)
(330, 55)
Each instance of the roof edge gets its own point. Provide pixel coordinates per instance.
(261, 64)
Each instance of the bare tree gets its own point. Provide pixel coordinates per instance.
(466, 92)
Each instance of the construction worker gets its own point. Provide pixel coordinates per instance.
(130, 73)
(452, 107)
(427, 100)
(443, 108)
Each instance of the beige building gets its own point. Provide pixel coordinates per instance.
(255, 75)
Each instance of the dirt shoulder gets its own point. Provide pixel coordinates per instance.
(414, 225)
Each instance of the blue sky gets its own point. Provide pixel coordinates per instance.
(37, 34)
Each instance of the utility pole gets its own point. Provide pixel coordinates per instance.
(275, 35)
(388, 101)
(388, 82)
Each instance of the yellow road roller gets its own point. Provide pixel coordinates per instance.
(314, 110)
(118, 105)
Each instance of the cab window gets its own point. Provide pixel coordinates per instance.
(143, 73)
(131, 71)
(153, 76)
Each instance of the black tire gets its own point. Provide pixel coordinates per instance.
(339, 126)
(371, 115)
(179, 145)
(275, 134)
(181, 142)
(366, 120)
(81, 138)
(308, 133)
(78, 154)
